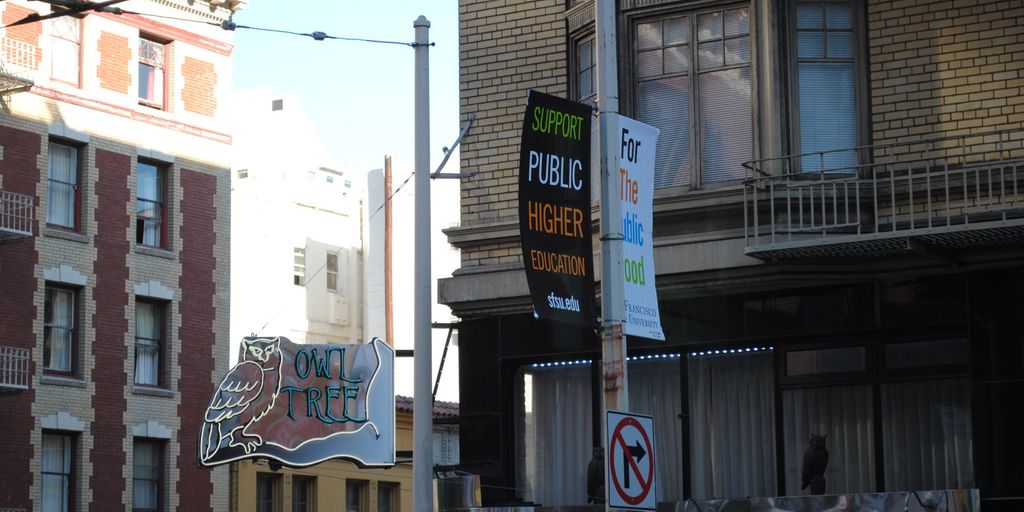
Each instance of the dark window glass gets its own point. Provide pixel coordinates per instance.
(927, 353)
(302, 493)
(823, 361)
(355, 495)
(266, 492)
(147, 476)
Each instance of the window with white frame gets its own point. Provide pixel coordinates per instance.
(65, 48)
(57, 472)
(62, 186)
(693, 82)
(332, 272)
(151, 72)
(59, 333)
(825, 89)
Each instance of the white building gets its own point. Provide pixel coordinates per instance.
(295, 224)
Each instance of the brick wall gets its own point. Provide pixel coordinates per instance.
(198, 90)
(18, 152)
(111, 324)
(199, 212)
(504, 51)
(115, 57)
(941, 68)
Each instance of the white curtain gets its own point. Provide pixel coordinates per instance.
(654, 390)
(56, 465)
(146, 476)
(147, 344)
(557, 438)
(732, 434)
(926, 429)
(844, 415)
(63, 177)
(58, 335)
(149, 207)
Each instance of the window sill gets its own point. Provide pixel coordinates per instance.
(66, 235)
(156, 251)
(58, 380)
(138, 389)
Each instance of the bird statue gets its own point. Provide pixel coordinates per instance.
(595, 477)
(246, 394)
(815, 462)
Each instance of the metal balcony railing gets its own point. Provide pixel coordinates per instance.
(943, 193)
(18, 62)
(14, 369)
(15, 215)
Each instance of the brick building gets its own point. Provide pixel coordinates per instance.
(837, 238)
(114, 214)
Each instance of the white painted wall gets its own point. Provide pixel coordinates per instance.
(287, 194)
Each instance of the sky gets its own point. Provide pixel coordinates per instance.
(360, 97)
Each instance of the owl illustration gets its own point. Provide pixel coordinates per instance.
(245, 395)
(815, 462)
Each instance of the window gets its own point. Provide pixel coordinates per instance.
(151, 210)
(59, 333)
(57, 472)
(149, 343)
(65, 48)
(387, 497)
(267, 492)
(147, 475)
(693, 82)
(151, 73)
(62, 186)
(586, 71)
(299, 266)
(825, 91)
(303, 491)
(329, 179)
(243, 173)
(332, 271)
(355, 495)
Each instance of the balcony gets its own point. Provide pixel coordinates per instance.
(18, 61)
(933, 195)
(15, 215)
(14, 369)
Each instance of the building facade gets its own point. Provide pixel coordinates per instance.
(837, 239)
(340, 485)
(114, 208)
(296, 228)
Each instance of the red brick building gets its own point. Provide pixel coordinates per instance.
(114, 208)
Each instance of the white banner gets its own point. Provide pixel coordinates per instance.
(636, 193)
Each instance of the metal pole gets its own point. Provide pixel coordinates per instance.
(423, 406)
(613, 342)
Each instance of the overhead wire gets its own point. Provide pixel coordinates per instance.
(228, 25)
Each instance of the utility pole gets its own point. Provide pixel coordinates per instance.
(423, 402)
(613, 341)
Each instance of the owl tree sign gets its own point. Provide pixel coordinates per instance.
(301, 404)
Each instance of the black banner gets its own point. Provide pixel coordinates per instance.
(554, 209)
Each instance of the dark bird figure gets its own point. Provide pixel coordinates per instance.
(815, 462)
(595, 477)
(245, 395)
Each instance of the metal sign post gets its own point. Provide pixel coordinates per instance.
(613, 342)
